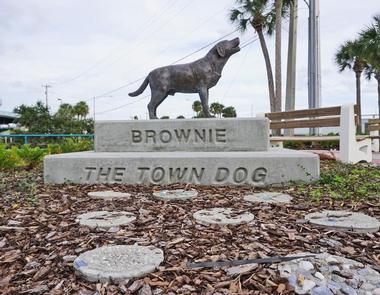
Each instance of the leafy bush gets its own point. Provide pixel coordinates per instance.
(27, 156)
(9, 158)
(54, 148)
(329, 145)
(71, 145)
(31, 156)
(294, 145)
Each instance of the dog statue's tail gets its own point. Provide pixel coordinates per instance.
(141, 88)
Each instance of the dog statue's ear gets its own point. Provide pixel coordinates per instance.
(220, 50)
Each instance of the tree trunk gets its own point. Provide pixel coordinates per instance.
(358, 100)
(278, 8)
(268, 65)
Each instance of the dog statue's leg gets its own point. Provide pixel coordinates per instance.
(203, 95)
(151, 111)
(157, 98)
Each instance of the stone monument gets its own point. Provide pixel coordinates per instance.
(228, 151)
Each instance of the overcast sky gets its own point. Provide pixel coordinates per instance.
(86, 48)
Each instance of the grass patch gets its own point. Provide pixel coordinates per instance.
(344, 181)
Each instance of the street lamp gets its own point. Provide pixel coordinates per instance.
(60, 101)
(94, 102)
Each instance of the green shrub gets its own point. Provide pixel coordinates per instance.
(71, 145)
(54, 148)
(27, 156)
(329, 145)
(294, 145)
(31, 156)
(345, 181)
(9, 158)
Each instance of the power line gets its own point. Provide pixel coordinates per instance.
(122, 106)
(100, 61)
(203, 47)
(155, 31)
(249, 42)
(186, 34)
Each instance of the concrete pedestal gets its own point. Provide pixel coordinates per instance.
(260, 169)
(188, 135)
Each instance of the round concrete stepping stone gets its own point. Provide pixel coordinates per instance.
(177, 194)
(222, 216)
(344, 221)
(117, 263)
(329, 274)
(108, 195)
(105, 219)
(268, 197)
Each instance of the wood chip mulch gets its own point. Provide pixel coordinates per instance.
(36, 254)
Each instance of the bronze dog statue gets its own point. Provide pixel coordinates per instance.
(195, 77)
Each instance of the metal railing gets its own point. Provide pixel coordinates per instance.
(26, 136)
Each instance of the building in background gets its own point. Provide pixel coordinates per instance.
(7, 120)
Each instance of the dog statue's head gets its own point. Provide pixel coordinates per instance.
(226, 48)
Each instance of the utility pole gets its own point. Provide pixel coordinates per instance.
(94, 98)
(314, 59)
(46, 93)
(290, 98)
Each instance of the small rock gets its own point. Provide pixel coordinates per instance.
(334, 286)
(69, 258)
(320, 276)
(285, 270)
(32, 265)
(346, 273)
(332, 260)
(292, 280)
(367, 286)
(337, 278)
(348, 290)
(13, 222)
(113, 229)
(376, 291)
(145, 290)
(306, 265)
(240, 269)
(322, 290)
(331, 242)
(306, 287)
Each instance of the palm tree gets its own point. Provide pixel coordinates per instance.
(259, 14)
(217, 109)
(350, 55)
(277, 57)
(229, 112)
(81, 109)
(370, 40)
(197, 106)
(66, 111)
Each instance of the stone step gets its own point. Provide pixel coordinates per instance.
(227, 134)
(206, 168)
